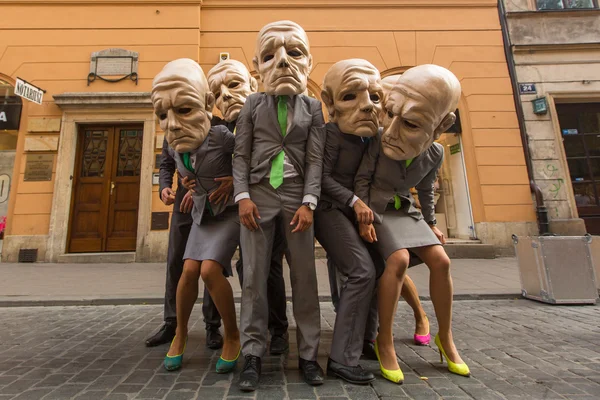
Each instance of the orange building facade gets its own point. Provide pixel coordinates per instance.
(77, 172)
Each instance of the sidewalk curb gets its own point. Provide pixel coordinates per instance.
(157, 300)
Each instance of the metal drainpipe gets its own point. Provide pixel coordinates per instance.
(540, 210)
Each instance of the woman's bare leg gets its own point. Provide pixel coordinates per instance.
(411, 296)
(388, 295)
(441, 290)
(187, 293)
(220, 290)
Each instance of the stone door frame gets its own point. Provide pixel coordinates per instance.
(99, 108)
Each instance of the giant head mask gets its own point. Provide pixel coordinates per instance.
(418, 109)
(283, 58)
(353, 95)
(387, 83)
(183, 104)
(231, 83)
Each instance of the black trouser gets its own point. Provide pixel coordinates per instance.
(278, 322)
(181, 223)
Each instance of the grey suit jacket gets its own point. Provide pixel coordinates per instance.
(379, 178)
(259, 140)
(165, 176)
(343, 155)
(211, 160)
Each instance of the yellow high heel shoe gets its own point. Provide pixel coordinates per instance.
(458, 369)
(393, 376)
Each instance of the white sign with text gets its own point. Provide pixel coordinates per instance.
(29, 92)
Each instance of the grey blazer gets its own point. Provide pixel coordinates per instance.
(165, 176)
(259, 140)
(343, 155)
(211, 160)
(379, 178)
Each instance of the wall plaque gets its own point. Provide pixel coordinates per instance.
(114, 65)
(38, 167)
(540, 106)
(157, 160)
(160, 221)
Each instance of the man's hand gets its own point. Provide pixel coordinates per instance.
(438, 234)
(223, 192)
(167, 196)
(187, 203)
(364, 215)
(303, 219)
(188, 183)
(248, 214)
(367, 232)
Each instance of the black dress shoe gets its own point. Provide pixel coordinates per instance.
(250, 375)
(356, 375)
(369, 350)
(311, 372)
(279, 344)
(165, 334)
(214, 339)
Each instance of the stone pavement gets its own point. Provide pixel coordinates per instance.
(65, 284)
(516, 349)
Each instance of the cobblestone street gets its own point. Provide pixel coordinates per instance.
(516, 349)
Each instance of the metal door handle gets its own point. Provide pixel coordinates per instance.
(112, 188)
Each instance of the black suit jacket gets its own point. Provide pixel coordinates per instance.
(216, 121)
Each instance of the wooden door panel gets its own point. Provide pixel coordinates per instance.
(90, 199)
(124, 199)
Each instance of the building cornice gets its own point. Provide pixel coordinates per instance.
(253, 4)
(86, 100)
(553, 13)
(98, 2)
(250, 4)
(554, 47)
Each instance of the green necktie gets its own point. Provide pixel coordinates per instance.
(276, 177)
(397, 199)
(187, 162)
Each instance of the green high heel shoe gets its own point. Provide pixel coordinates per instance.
(395, 376)
(226, 366)
(458, 369)
(173, 363)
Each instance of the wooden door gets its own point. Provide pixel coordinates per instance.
(106, 189)
(124, 190)
(580, 128)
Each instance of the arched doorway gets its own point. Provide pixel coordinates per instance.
(10, 117)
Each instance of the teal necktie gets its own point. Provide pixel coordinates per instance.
(397, 199)
(276, 177)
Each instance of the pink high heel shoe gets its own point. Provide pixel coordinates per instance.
(423, 340)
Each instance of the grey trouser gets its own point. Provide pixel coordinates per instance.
(337, 234)
(257, 249)
(278, 322)
(181, 224)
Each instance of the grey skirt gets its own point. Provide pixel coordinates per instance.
(216, 238)
(400, 231)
